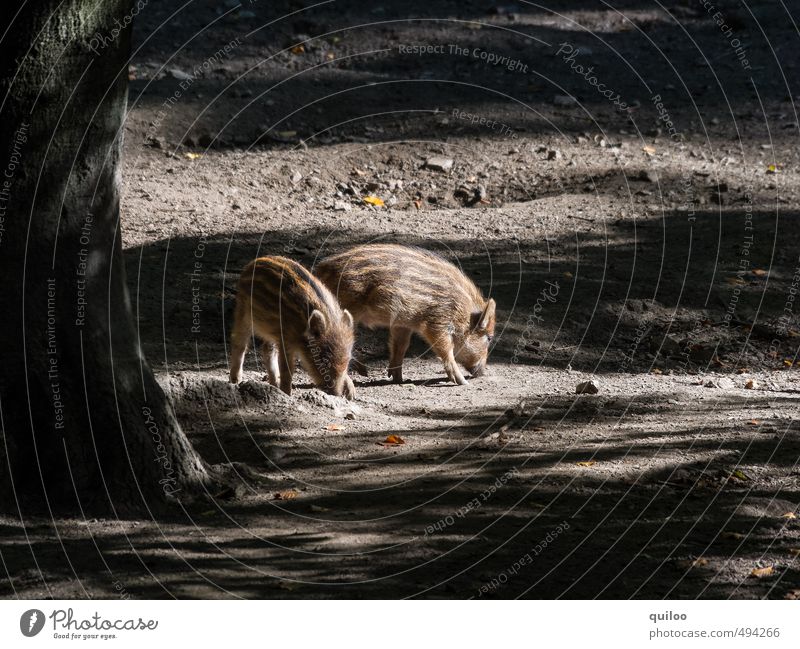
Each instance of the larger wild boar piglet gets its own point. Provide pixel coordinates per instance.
(411, 290)
(281, 303)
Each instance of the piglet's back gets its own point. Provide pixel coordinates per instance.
(396, 278)
(282, 290)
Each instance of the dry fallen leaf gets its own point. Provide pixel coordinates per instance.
(334, 427)
(417, 204)
(586, 463)
(649, 150)
(772, 169)
(788, 362)
(289, 494)
(789, 515)
(738, 474)
(298, 49)
(760, 573)
(688, 564)
(192, 156)
(568, 275)
(393, 440)
(750, 385)
(759, 272)
(795, 552)
(754, 422)
(732, 536)
(373, 200)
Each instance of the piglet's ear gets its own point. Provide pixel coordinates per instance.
(347, 318)
(317, 323)
(488, 314)
(482, 320)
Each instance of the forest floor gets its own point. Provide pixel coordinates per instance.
(661, 265)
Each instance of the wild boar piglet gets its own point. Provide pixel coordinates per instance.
(412, 290)
(297, 317)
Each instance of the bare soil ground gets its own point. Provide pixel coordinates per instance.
(661, 265)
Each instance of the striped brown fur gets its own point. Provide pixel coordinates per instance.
(411, 290)
(297, 317)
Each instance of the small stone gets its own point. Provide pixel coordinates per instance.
(439, 163)
(587, 387)
(751, 385)
(671, 345)
(723, 383)
(553, 154)
(156, 142)
(296, 177)
(563, 100)
(179, 74)
(701, 353)
(342, 206)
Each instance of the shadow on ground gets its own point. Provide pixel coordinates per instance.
(476, 520)
(681, 292)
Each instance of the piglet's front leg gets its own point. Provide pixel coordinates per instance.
(443, 346)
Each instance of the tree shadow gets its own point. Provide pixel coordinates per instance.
(342, 72)
(481, 522)
(687, 292)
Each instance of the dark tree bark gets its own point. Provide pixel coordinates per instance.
(83, 419)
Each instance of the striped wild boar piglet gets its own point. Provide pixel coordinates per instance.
(408, 289)
(281, 303)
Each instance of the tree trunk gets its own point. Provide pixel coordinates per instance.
(85, 423)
